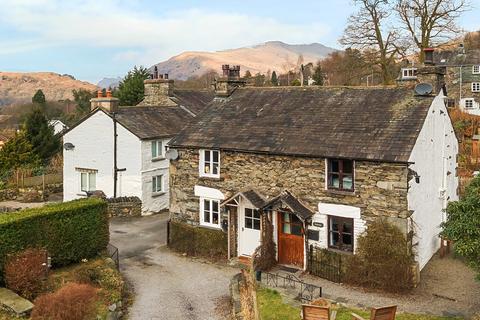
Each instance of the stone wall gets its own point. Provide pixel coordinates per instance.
(380, 188)
(128, 207)
(158, 93)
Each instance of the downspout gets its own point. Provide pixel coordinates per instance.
(228, 234)
(115, 169)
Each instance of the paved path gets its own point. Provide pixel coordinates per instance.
(167, 285)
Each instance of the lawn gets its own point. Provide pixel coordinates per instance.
(272, 307)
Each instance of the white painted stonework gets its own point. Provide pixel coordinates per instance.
(93, 150)
(434, 160)
(209, 193)
(344, 211)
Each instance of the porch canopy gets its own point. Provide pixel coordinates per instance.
(288, 200)
(255, 198)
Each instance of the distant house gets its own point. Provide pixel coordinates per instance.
(3, 140)
(58, 126)
(122, 150)
(319, 164)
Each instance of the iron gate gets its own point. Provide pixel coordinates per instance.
(325, 264)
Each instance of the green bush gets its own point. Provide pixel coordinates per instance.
(69, 231)
(198, 241)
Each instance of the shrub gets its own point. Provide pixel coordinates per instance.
(72, 302)
(69, 231)
(264, 257)
(25, 272)
(383, 259)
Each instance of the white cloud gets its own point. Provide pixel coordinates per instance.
(141, 36)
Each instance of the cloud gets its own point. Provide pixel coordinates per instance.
(140, 36)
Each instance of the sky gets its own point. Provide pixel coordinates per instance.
(93, 39)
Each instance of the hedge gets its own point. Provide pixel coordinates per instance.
(198, 241)
(70, 231)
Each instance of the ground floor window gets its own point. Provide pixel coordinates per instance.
(210, 212)
(88, 181)
(157, 184)
(252, 219)
(340, 233)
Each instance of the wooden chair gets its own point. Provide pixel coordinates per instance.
(385, 313)
(311, 312)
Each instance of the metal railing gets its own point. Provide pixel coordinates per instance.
(113, 254)
(306, 291)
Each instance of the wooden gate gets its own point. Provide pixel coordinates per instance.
(290, 239)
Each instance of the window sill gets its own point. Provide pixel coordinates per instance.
(158, 159)
(211, 226)
(348, 253)
(341, 192)
(158, 194)
(82, 195)
(217, 178)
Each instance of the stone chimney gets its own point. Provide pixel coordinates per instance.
(158, 91)
(229, 81)
(108, 103)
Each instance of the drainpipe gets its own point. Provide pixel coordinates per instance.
(228, 234)
(115, 170)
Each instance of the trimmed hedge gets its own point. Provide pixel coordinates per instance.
(198, 241)
(70, 231)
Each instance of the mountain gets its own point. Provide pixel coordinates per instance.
(16, 87)
(273, 55)
(109, 82)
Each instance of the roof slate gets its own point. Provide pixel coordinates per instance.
(456, 57)
(288, 199)
(357, 123)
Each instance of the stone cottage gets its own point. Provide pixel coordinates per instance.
(122, 150)
(318, 163)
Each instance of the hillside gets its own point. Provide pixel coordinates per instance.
(274, 55)
(16, 87)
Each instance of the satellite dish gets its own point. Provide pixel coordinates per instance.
(423, 89)
(68, 146)
(171, 154)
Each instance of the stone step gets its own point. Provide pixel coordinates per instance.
(13, 302)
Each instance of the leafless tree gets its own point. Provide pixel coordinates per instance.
(368, 29)
(429, 22)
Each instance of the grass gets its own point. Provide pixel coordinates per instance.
(272, 307)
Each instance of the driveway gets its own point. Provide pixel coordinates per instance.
(167, 285)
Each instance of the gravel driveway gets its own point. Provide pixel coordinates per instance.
(167, 285)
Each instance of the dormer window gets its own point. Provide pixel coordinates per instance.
(210, 163)
(476, 69)
(157, 149)
(475, 86)
(409, 73)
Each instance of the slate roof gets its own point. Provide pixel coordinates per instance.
(194, 100)
(288, 199)
(456, 57)
(357, 123)
(255, 198)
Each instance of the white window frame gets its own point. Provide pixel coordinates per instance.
(157, 148)
(469, 100)
(476, 69)
(475, 86)
(202, 213)
(406, 73)
(202, 163)
(89, 174)
(155, 184)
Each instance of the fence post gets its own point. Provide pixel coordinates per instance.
(43, 186)
(310, 259)
(168, 232)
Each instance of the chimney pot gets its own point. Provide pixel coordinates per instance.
(165, 76)
(99, 94)
(109, 93)
(155, 73)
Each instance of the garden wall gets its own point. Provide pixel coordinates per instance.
(124, 207)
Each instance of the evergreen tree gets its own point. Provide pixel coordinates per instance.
(318, 75)
(82, 100)
(131, 89)
(41, 136)
(274, 79)
(248, 74)
(39, 98)
(17, 153)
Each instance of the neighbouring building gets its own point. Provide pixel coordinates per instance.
(319, 163)
(58, 126)
(122, 150)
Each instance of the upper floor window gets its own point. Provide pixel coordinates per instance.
(475, 86)
(409, 73)
(476, 69)
(210, 163)
(340, 174)
(157, 149)
(210, 212)
(157, 184)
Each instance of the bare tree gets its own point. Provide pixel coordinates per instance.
(367, 30)
(429, 22)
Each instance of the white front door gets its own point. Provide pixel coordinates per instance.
(249, 231)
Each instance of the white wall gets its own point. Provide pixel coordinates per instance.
(93, 141)
(151, 202)
(434, 160)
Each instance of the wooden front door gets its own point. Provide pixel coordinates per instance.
(290, 239)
